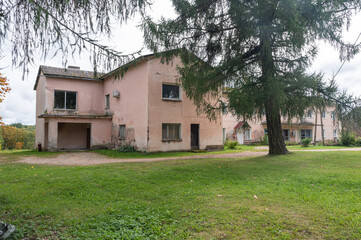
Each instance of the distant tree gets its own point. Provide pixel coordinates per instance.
(4, 89)
(260, 48)
(11, 135)
(17, 125)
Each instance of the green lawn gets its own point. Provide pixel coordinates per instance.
(301, 195)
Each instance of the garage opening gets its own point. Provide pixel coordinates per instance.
(73, 136)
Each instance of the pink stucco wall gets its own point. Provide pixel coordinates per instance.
(131, 108)
(258, 126)
(180, 112)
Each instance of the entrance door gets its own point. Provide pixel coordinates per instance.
(194, 136)
(240, 136)
(88, 137)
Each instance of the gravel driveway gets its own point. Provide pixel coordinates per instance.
(91, 158)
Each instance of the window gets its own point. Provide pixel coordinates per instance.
(248, 134)
(306, 133)
(170, 92)
(265, 131)
(107, 101)
(122, 132)
(286, 134)
(323, 114)
(171, 131)
(333, 114)
(323, 133)
(335, 133)
(224, 134)
(309, 114)
(64, 100)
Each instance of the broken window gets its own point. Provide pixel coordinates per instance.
(121, 131)
(170, 92)
(171, 131)
(64, 100)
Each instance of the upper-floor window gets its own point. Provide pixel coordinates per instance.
(171, 92)
(107, 101)
(309, 114)
(323, 114)
(64, 100)
(333, 115)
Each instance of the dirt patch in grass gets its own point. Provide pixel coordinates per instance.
(91, 158)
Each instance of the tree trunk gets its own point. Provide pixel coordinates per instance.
(314, 135)
(270, 82)
(276, 141)
(323, 137)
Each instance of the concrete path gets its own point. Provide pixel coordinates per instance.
(91, 158)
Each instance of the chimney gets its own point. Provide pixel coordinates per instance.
(74, 67)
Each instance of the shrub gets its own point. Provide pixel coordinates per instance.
(231, 144)
(306, 142)
(358, 142)
(127, 148)
(288, 143)
(264, 140)
(19, 145)
(347, 138)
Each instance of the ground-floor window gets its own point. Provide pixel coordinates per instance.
(335, 133)
(171, 131)
(224, 134)
(306, 133)
(286, 134)
(122, 132)
(248, 134)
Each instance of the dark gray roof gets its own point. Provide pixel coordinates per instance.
(71, 73)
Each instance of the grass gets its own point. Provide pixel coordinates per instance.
(296, 196)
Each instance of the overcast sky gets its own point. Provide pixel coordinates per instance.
(19, 104)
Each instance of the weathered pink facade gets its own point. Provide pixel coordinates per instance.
(293, 131)
(135, 104)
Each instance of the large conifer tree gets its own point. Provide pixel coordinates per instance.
(260, 48)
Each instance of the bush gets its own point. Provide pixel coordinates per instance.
(19, 145)
(347, 139)
(288, 143)
(358, 142)
(305, 142)
(264, 140)
(127, 148)
(231, 144)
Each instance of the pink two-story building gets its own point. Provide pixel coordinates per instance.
(145, 108)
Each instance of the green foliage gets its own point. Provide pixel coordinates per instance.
(14, 133)
(289, 143)
(347, 138)
(231, 144)
(306, 142)
(264, 140)
(127, 148)
(260, 50)
(358, 141)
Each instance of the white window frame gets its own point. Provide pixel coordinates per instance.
(179, 92)
(335, 133)
(169, 125)
(310, 114)
(65, 92)
(107, 101)
(248, 134)
(124, 131)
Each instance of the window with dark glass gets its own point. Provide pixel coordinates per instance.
(171, 131)
(64, 100)
(286, 134)
(170, 92)
(305, 133)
